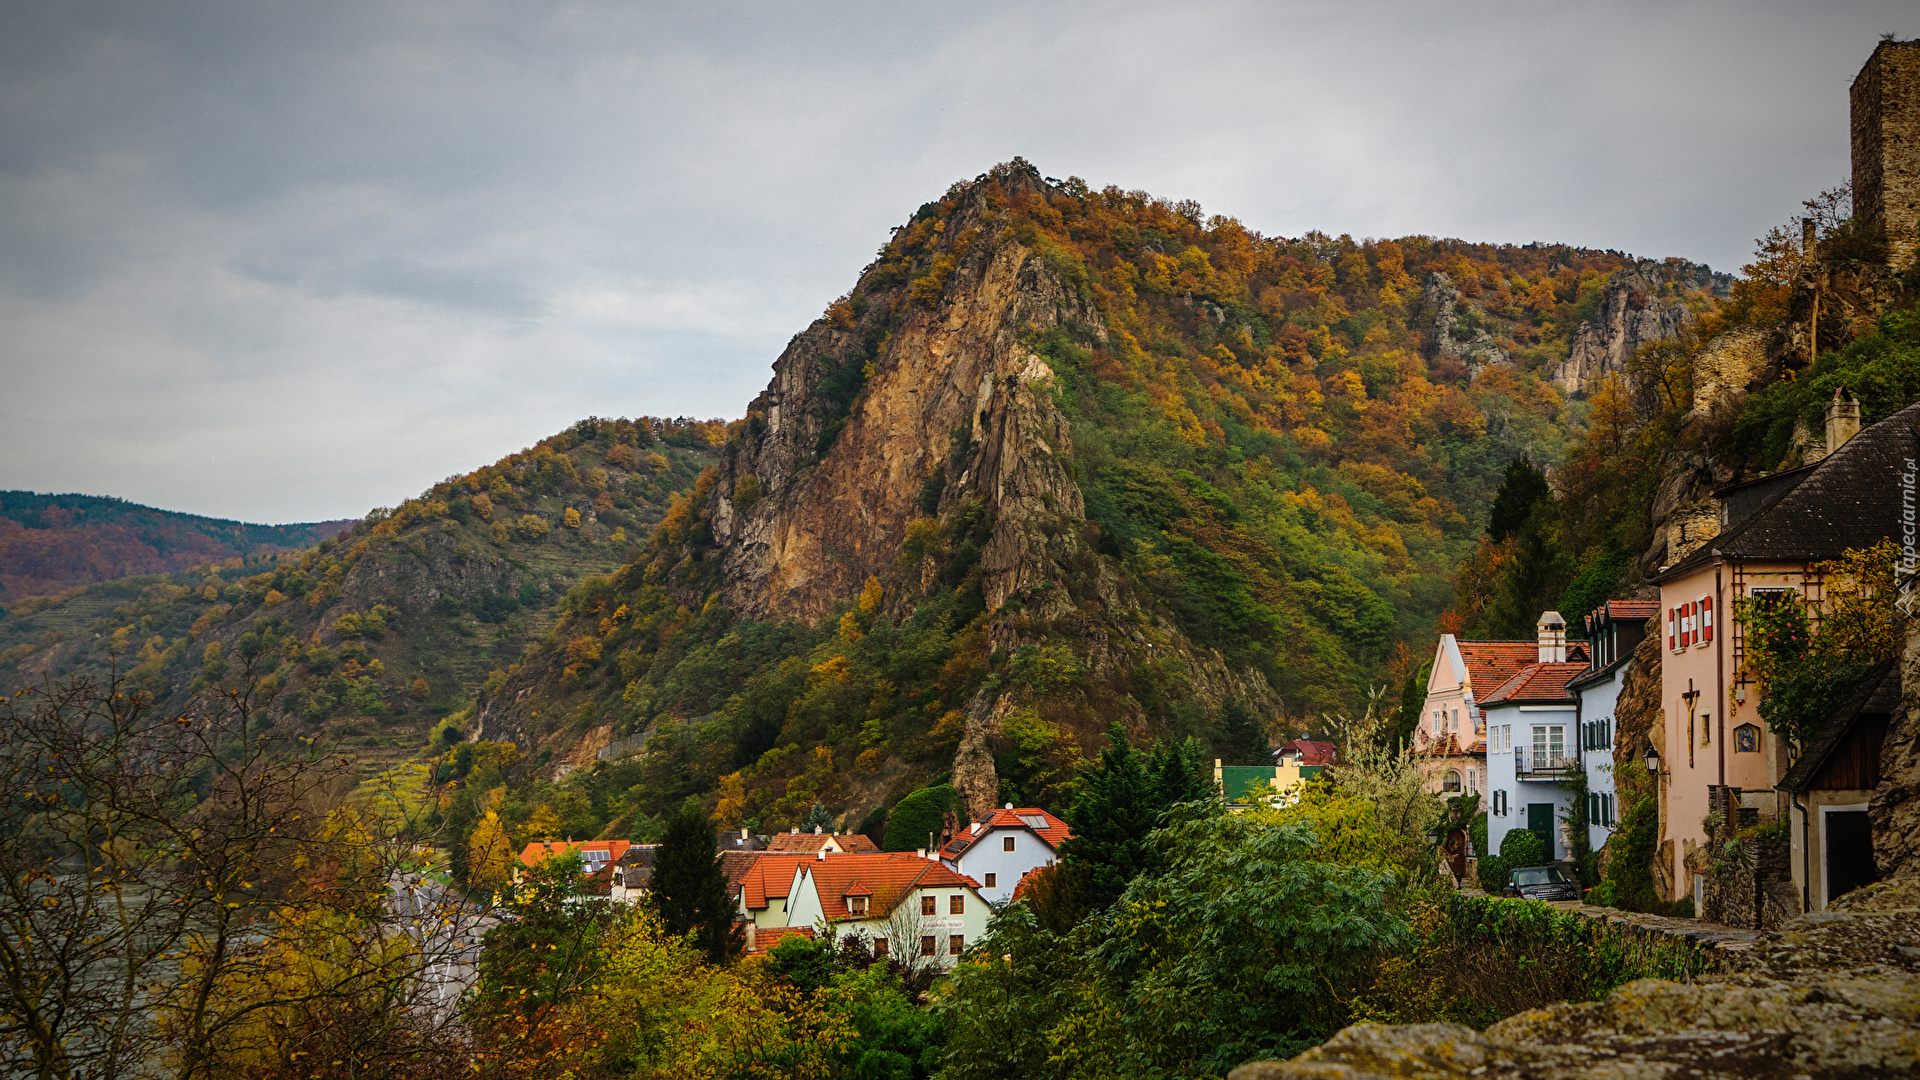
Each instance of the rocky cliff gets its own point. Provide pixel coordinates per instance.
(818, 495)
(1642, 304)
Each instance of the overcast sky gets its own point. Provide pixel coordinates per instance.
(287, 262)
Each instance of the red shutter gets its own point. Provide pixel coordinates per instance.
(1671, 644)
(1706, 618)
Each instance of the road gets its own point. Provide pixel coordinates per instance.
(447, 929)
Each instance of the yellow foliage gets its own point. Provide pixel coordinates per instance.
(571, 517)
(489, 853)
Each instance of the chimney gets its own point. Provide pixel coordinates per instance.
(749, 935)
(1843, 419)
(816, 830)
(796, 830)
(743, 832)
(922, 853)
(822, 855)
(1553, 638)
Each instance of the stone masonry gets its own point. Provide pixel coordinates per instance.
(1885, 101)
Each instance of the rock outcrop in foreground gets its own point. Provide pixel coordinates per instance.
(1834, 995)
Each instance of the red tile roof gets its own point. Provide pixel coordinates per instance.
(1029, 818)
(540, 851)
(1311, 753)
(1538, 682)
(807, 841)
(885, 876)
(769, 937)
(1630, 609)
(1490, 663)
(768, 877)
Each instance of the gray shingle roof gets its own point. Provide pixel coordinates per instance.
(1851, 500)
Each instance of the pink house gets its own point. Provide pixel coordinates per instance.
(1715, 749)
(1452, 733)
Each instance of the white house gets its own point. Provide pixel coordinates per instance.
(905, 904)
(1532, 734)
(1614, 629)
(1000, 848)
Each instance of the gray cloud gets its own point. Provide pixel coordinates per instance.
(291, 261)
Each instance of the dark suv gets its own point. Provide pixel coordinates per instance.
(1541, 883)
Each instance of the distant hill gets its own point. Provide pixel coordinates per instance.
(374, 635)
(52, 543)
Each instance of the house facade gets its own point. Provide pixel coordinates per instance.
(1451, 736)
(1532, 731)
(906, 905)
(1614, 630)
(1716, 749)
(1001, 848)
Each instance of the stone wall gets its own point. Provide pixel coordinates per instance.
(1831, 996)
(1895, 809)
(1885, 115)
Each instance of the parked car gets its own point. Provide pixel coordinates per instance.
(1541, 883)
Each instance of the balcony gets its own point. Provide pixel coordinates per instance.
(1544, 768)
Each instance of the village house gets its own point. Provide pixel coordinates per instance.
(1531, 724)
(1614, 630)
(1451, 735)
(1716, 753)
(1294, 764)
(810, 842)
(1000, 849)
(904, 904)
(760, 885)
(596, 858)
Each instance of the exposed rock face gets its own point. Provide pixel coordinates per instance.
(1895, 809)
(1831, 996)
(1728, 366)
(953, 397)
(1635, 311)
(1458, 332)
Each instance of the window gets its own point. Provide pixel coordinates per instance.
(955, 944)
(1452, 782)
(957, 905)
(993, 880)
(1006, 843)
(879, 946)
(1473, 781)
(1549, 742)
(856, 905)
(926, 944)
(927, 906)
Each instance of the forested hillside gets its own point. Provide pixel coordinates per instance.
(1739, 393)
(1064, 456)
(50, 543)
(373, 636)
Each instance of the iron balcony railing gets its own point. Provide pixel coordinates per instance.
(1530, 766)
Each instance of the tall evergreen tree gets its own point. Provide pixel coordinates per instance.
(1178, 772)
(1112, 812)
(689, 889)
(1522, 490)
(1243, 739)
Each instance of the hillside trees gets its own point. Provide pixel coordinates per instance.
(178, 893)
(415, 594)
(1281, 463)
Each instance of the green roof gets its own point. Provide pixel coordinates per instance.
(1237, 780)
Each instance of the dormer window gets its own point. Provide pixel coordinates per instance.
(856, 905)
